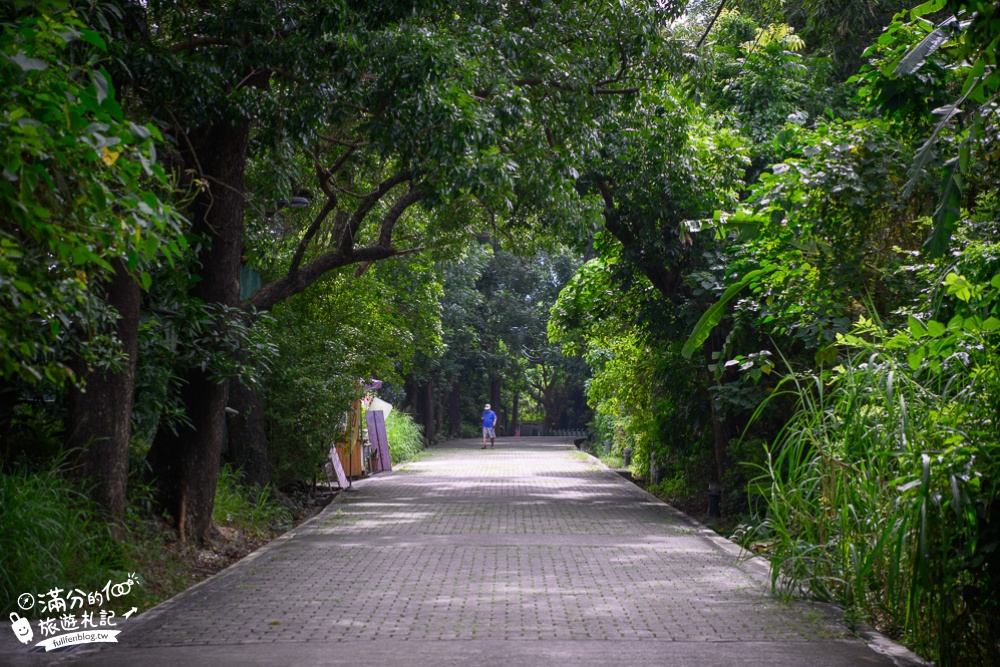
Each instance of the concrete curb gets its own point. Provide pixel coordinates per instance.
(759, 568)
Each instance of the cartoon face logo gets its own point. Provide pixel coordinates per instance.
(21, 627)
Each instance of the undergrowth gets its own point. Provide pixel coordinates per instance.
(54, 536)
(881, 492)
(406, 438)
(249, 510)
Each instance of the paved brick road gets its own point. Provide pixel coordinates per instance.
(530, 553)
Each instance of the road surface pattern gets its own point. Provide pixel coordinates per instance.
(531, 553)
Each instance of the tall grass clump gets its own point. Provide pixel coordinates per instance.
(406, 438)
(249, 509)
(52, 536)
(883, 489)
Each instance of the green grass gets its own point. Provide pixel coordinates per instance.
(875, 495)
(53, 536)
(613, 461)
(406, 439)
(249, 510)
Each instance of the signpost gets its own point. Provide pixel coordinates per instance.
(377, 438)
(338, 468)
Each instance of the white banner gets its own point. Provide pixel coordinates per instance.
(81, 637)
(379, 404)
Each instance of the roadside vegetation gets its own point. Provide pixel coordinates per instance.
(750, 245)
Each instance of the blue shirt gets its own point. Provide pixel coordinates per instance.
(489, 418)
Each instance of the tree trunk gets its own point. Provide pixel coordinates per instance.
(411, 400)
(554, 407)
(247, 435)
(515, 419)
(553, 398)
(99, 422)
(439, 427)
(455, 409)
(720, 430)
(186, 464)
(495, 393)
(428, 411)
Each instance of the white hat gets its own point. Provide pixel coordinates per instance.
(487, 406)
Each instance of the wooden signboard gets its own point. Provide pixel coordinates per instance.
(349, 442)
(338, 467)
(377, 439)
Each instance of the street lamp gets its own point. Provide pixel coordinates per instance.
(294, 202)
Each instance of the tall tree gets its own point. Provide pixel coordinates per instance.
(82, 220)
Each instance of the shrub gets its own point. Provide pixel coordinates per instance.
(882, 486)
(406, 438)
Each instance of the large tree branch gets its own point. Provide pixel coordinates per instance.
(292, 283)
(368, 202)
(328, 207)
(389, 222)
(614, 91)
(665, 281)
(299, 278)
(342, 160)
(607, 194)
(593, 90)
(711, 24)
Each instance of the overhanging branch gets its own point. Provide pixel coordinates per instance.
(589, 89)
(368, 202)
(389, 222)
(292, 283)
(331, 204)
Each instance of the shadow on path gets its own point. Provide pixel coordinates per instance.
(529, 554)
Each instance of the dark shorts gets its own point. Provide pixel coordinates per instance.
(489, 432)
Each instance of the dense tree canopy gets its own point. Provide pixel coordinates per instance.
(733, 237)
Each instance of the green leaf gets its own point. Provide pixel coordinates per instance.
(936, 329)
(991, 324)
(919, 54)
(977, 70)
(917, 327)
(94, 38)
(101, 83)
(926, 8)
(914, 357)
(828, 355)
(28, 64)
(947, 214)
(713, 315)
(151, 246)
(139, 131)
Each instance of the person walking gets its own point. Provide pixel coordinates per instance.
(489, 420)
